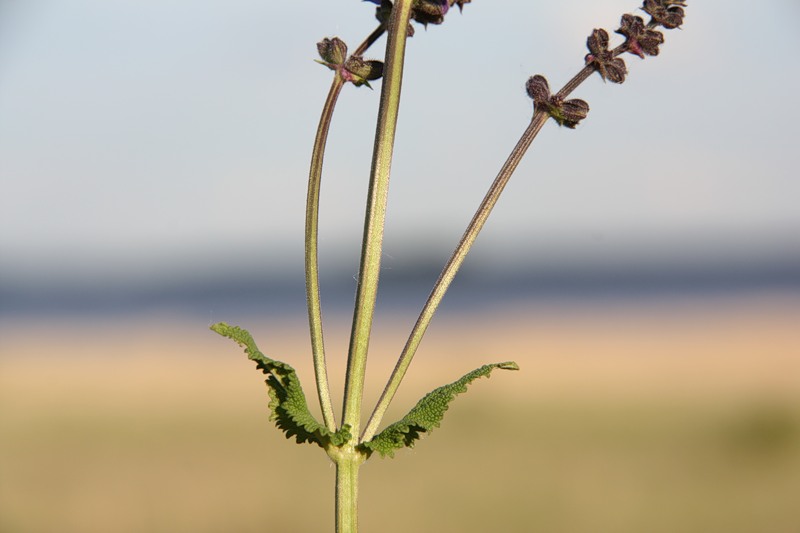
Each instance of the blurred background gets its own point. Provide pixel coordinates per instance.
(643, 270)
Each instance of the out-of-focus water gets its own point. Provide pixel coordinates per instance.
(282, 292)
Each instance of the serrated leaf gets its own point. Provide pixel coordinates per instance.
(287, 400)
(426, 415)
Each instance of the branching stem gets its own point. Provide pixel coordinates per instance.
(312, 239)
(450, 270)
(460, 253)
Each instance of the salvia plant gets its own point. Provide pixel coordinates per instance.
(346, 443)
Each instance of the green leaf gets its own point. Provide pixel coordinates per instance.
(288, 403)
(426, 415)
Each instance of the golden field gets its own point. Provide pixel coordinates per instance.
(658, 419)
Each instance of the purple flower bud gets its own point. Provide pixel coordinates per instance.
(355, 69)
(567, 113)
(332, 51)
(430, 11)
(360, 71)
(538, 89)
(667, 13)
(610, 68)
(640, 39)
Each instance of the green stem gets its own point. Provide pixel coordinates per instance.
(312, 239)
(312, 256)
(450, 270)
(347, 466)
(372, 243)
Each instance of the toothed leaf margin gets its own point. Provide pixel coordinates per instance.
(287, 400)
(426, 415)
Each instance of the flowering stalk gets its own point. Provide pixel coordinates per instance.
(376, 214)
(348, 458)
(641, 40)
(312, 256)
(336, 51)
(343, 444)
(450, 270)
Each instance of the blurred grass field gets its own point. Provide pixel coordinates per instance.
(674, 419)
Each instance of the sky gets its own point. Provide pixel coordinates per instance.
(139, 136)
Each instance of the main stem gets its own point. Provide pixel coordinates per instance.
(372, 243)
(450, 270)
(347, 465)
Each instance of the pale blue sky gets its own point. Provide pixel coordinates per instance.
(135, 133)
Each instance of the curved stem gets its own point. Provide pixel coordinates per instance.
(450, 270)
(312, 255)
(372, 243)
(312, 238)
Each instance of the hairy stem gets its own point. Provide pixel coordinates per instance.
(460, 253)
(372, 243)
(312, 239)
(370, 40)
(576, 80)
(450, 270)
(312, 255)
(347, 466)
